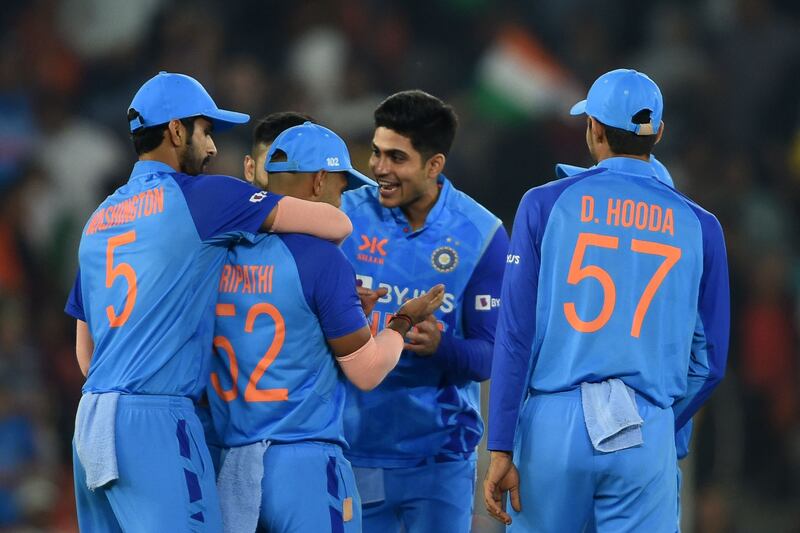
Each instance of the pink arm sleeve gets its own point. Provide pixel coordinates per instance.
(313, 218)
(367, 366)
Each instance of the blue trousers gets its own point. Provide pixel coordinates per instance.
(434, 497)
(565, 483)
(166, 478)
(308, 487)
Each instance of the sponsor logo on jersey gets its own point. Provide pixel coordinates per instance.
(257, 197)
(372, 250)
(485, 302)
(444, 259)
(512, 259)
(399, 295)
(366, 281)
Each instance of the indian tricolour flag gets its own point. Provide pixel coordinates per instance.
(518, 79)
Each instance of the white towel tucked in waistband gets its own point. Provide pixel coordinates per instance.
(611, 415)
(95, 437)
(239, 486)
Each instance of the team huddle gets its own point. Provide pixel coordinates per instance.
(301, 350)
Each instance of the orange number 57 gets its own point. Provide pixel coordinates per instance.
(121, 269)
(578, 273)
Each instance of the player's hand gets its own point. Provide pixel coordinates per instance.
(369, 297)
(425, 338)
(419, 308)
(502, 477)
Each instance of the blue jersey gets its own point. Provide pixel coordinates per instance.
(426, 406)
(149, 259)
(274, 376)
(611, 273)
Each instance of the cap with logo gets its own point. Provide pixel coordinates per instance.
(618, 95)
(310, 147)
(167, 96)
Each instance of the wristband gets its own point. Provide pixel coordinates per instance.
(403, 316)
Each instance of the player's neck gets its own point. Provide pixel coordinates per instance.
(163, 155)
(609, 154)
(417, 211)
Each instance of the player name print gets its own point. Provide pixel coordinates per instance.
(628, 213)
(144, 204)
(246, 279)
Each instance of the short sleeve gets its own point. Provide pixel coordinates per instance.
(223, 207)
(74, 307)
(329, 284)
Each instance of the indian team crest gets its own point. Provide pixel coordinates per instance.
(444, 259)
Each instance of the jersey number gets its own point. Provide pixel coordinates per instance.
(251, 393)
(121, 269)
(577, 273)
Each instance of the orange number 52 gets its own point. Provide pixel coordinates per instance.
(126, 271)
(577, 273)
(251, 393)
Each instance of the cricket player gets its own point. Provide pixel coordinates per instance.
(413, 438)
(683, 435)
(288, 320)
(264, 133)
(613, 331)
(144, 297)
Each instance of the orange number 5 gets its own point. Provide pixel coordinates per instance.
(577, 273)
(122, 269)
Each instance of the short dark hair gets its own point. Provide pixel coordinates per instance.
(148, 139)
(269, 127)
(626, 142)
(428, 122)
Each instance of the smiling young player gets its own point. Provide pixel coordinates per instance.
(413, 438)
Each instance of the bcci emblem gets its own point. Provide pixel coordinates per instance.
(444, 259)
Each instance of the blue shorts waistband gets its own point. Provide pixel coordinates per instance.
(569, 393)
(153, 401)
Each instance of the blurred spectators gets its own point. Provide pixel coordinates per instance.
(729, 70)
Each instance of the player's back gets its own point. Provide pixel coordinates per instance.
(274, 377)
(147, 271)
(621, 263)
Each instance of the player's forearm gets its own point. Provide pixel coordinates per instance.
(465, 359)
(507, 388)
(369, 365)
(322, 220)
(84, 346)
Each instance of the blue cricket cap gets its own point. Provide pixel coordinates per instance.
(167, 96)
(618, 95)
(310, 147)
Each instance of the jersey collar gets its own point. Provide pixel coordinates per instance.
(144, 168)
(628, 165)
(435, 213)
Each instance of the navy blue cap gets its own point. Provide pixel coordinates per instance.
(310, 147)
(618, 95)
(167, 96)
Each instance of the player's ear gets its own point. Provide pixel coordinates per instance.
(660, 131)
(176, 132)
(249, 168)
(435, 165)
(597, 130)
(319, 181)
